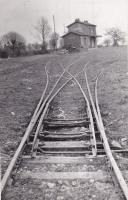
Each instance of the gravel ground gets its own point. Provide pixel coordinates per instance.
(22, 82)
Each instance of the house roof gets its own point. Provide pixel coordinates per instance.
(75, 32)
(80, 33)
(85, 23)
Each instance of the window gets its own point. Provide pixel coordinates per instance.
(91, 31)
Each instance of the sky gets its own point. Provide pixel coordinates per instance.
(21, 15)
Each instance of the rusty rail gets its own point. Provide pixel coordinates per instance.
(29, 129)
(47, 105)
(88, 110)
(99, 121)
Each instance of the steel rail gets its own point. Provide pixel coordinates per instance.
(44, 112)
(46, 99)
(22, 143)
(85, 68)
(24, 139)
(26, 136)
(115, 167)
(100, 63)
(96, 89)
(42, 97)
(89, 110)
(108, 151)
(48, 96)
(47, 104)
(46, 86)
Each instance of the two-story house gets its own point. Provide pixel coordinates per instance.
(81, 34)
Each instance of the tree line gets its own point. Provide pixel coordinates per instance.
(13, 44)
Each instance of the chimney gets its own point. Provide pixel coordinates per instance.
(77, 20)
(86, 22)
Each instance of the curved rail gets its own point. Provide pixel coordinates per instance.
(47, 104)
(29, 129)
(42, 104)
(99, 122)
(99, 63)
(46, 86)
(24, 139)
(115, 167)
(89, 109)
(37, 113)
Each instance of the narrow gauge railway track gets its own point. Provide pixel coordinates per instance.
(52, 133)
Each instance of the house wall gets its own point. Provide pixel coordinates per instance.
(72, 39)
(86, 29)
(88, 42)
(92, 30)
(85, 41)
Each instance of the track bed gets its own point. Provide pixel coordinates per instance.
(65, 166)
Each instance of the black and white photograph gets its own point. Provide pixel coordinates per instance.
(64, 99)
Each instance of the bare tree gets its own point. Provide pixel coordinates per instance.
(53, 40)
(116, 35)
(13, 42)
(107, 42)
(42, 31)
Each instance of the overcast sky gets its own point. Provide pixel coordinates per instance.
(21, 15)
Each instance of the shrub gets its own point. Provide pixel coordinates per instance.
(3, 54)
